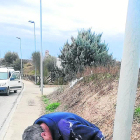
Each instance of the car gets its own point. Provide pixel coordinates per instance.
(10, 80)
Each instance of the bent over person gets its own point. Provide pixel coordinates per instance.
(62, 126)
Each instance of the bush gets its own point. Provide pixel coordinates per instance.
(52, 107)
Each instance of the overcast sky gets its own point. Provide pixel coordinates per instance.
(61, 20)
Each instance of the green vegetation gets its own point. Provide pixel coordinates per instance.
(49, 107)
(86, 49)
(137, 112)
(49, 64)
(17, 64)
(52, 107)
(11, 59)
(36, 60)
(45, 100)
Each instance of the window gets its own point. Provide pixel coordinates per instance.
(3, 76)
(16, 76)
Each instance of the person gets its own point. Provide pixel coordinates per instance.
(62, 126)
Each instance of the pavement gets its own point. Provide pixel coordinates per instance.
(27, 109)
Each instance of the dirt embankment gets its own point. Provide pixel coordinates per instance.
(94, 101)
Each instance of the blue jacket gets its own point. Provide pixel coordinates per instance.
(69, 126)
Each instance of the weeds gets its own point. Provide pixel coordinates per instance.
(45, 100)
(52, 107)
(110, 70)
(137, 114)
(49, 107)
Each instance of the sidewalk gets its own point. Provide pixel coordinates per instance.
(27, 111)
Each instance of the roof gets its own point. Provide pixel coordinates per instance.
(6, 69)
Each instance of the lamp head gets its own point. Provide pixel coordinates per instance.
(18, 37)
(31, 21)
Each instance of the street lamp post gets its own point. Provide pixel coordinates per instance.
(35, 45)
(128, 80)
(41, 65)
(21, 54)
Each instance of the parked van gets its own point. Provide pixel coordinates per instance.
(10, 80)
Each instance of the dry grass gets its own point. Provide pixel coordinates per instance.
(28, 69)
(114, 71)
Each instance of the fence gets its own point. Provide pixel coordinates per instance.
(46, 80)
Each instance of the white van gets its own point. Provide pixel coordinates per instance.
(10, 80)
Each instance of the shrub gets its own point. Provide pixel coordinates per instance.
(87, 49)
(52, 107)
(137, 114)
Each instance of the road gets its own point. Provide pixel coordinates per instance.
(29, 101)
(6, 105)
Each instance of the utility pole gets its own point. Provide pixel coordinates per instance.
(41, 62)
(21, 55)
(35, 45)
(129, 74)
(35, 51)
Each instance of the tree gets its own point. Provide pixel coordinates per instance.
(49, 66)
(85, 50)
(10, 58)
(36, 60)
(17, 64)
(50, 63)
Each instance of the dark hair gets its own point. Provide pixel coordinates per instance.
(33, 132)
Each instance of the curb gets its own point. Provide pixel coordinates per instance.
(6, 124)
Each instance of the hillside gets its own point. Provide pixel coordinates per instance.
(28, 68)
(94, 98)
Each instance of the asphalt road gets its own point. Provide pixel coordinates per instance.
(6, 105)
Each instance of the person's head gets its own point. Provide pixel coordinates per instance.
(37, 132)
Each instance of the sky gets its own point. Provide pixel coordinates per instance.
(61, 19)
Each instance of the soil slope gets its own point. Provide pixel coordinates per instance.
(95, 102)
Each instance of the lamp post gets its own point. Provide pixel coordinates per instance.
(126, 96)
(41, 65)
(21, 54)
(35, 45)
